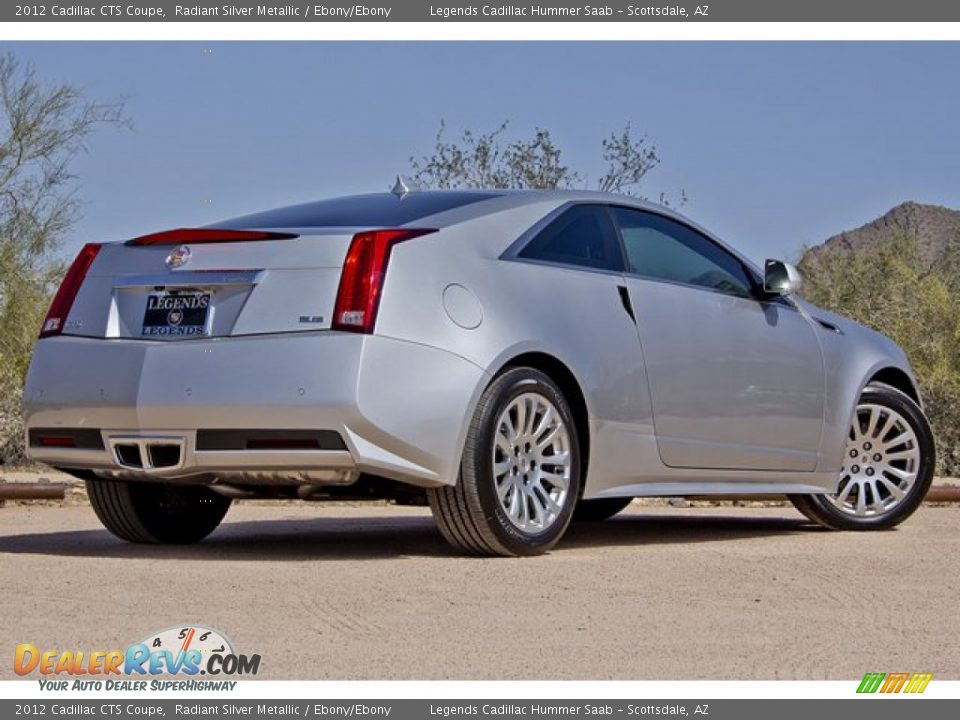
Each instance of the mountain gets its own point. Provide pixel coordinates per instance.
(935, 228)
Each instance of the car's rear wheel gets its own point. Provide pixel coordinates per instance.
(157, 513)
(600, 509)
(888, 465)
(520, 471)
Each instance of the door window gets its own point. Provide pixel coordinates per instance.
(660, 248)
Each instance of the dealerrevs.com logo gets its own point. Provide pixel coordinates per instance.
(187, 650)
(894, 683)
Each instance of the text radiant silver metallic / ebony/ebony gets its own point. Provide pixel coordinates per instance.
(520, 358)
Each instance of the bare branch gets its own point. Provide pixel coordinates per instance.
(629, 159)
(487, 160)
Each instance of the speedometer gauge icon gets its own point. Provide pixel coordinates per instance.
(184, 638)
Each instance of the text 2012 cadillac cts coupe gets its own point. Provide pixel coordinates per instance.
(520, 358)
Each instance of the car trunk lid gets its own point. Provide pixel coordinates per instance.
(211, 283)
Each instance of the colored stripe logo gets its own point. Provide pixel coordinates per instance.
(894, 682)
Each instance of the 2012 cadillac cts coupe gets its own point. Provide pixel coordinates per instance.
(519, 358)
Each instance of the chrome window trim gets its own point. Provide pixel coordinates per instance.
(565, 266)
(779, 301)
(751, 270)
(512, 253)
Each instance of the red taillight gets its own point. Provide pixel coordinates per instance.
(67, 293)
(362, 280)
(57, 441)
(207, 235)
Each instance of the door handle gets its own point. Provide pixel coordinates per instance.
(625, 299)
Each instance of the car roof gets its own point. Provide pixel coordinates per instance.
(440, 209)
(437, 208)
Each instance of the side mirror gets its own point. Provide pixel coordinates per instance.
(780, 278)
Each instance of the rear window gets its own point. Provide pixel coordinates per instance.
(380, 210)
(582, 235)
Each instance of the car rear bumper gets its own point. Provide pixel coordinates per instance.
(288, 408)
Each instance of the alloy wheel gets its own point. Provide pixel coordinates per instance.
(532, 462)
(881, 462)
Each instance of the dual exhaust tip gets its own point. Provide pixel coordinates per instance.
(148, 453)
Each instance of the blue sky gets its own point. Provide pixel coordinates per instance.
(776, 144)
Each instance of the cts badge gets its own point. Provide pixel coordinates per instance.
(179, 257)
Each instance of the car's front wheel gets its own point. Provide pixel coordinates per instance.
(520, 472)
(157, 513)
(888, 465)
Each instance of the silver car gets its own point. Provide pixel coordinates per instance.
(520, 359)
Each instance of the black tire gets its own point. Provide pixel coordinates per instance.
(600, 509)
(469, 514)
(157, 513)
(820, 510)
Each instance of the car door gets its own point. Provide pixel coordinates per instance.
(573, 304)
(736, 379)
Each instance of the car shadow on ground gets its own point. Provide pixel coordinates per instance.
(353, 538)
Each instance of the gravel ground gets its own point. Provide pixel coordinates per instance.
(372, 592)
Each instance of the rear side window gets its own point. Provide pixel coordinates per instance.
(660, 248)
(582, 235)
(379, 210)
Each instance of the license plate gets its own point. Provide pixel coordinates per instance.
(176, 314)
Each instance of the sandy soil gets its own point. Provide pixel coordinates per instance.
(372, 592)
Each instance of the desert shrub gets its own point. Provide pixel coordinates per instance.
(43, 127)
(890, 289)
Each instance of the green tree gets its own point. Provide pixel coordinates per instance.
(890, 290)
(491, 160)
(43, 127)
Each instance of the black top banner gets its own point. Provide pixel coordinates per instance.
(893, 11)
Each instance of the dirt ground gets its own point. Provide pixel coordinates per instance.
(372, 592)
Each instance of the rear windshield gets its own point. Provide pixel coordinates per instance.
(380, 210)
